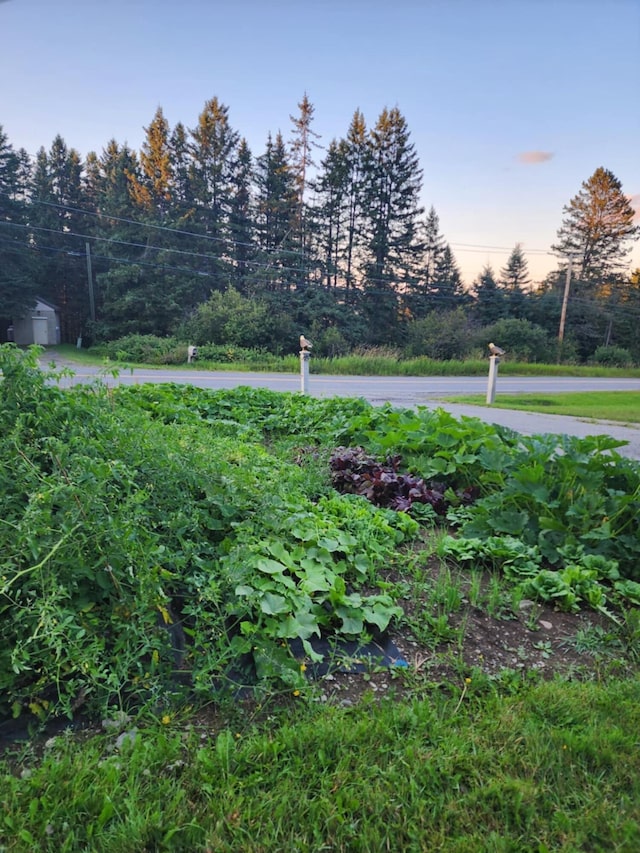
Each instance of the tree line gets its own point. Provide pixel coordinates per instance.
(195, 236)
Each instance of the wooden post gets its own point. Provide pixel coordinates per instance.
(565, 302)
(304, 371)
(92, 302)
(494, 361)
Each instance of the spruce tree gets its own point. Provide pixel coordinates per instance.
(357, 155)
(17, 285)
(152, 189)
(431, 247)
(60, 231)
(514, 280)
(331, 214)
(214, 149)
(490, 302)
(301, 147)
(393, 183)
(447, 288)
(241, 218)
(279, 261)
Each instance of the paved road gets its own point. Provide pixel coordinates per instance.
(410, 392)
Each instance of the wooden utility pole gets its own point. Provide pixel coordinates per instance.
(565, 302)
(92, 303)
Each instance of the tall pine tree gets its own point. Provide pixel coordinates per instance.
(393, 185)
(279, 262)
(60, 230)
(17, 285)
(598, 228)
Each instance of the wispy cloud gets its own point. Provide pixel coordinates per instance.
(530, 157)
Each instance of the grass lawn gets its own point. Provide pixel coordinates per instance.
(623, 406)
(555, 768)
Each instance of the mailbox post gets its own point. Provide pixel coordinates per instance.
(494, 361)
(305, 355)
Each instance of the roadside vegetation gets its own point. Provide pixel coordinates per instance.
(191, 584)
(151, 351)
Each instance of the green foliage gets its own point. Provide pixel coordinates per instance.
(550, 492)
(523, 341)
(129, 517)
(145, 349)
(558, 491)
(613, 357)
(234, 320)
(582, 579)
(441, 335)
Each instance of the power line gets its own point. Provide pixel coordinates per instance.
(432, 298)
(172, 230)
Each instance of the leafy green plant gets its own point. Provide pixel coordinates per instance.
(134, 520)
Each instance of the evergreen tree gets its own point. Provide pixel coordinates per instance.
(331, 212)
(183, 191)
(431, 246)
(514, 279)
(279, 262)
(357, 156)
(152, 189)
(447, 288)
(301, 160)
(17, 285)
(393, 184)
(241, 218)
(118, 238)
(490, 302)
(214, 149)
(598, 228)
(60, 230)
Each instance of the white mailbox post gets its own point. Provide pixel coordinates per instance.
(494, 361)
(305, 355)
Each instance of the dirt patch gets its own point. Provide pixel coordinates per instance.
(523, 641)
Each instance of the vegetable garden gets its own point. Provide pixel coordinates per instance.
(160, 544)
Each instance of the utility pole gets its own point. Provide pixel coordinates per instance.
(565, 302)
(92, 304)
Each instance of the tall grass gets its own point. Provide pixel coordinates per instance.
(376, 362)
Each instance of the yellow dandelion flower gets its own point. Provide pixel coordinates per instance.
(303, 667)
(467, 681)
(166, 720)
(296, 692)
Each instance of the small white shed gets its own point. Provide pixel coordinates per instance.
(40, 326)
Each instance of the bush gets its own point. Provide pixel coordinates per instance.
(523, 340)
(230, 319)
(613, 357)
(146, 349)
(440, 335)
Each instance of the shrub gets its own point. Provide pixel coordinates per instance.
(440, 335)
(613, 357)
(146, 349)
(523, 340)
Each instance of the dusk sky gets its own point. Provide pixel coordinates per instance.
(511, 104)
